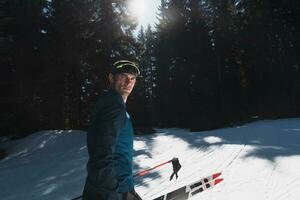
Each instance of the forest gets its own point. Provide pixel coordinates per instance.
(205, 64)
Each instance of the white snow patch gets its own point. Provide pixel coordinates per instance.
(212, 139)
(259, 160)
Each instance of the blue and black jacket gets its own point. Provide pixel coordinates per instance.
(110, 148)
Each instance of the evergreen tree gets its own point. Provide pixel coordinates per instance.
(7, 86)
(147, 81)
(22, 59)
(171, 69)
(162, 53)
(89, 38)
(203, 69)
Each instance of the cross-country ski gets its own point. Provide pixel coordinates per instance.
(188, 191)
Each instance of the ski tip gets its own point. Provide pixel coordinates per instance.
(216, 175)
(218, 180)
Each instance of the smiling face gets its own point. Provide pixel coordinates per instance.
(123, 83)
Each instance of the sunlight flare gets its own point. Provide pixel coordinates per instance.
(137, 8)
(144, 11)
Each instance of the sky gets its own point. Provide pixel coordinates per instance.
(145, 11)
(258, 160)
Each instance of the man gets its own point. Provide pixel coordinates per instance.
(110, 139)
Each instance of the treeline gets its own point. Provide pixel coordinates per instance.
(216, 63)
(55, 59)
(206, 64)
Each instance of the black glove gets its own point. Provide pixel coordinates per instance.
(132, 195)
(176, 168)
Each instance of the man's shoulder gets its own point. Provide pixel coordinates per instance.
(107, 97)
(110, 94)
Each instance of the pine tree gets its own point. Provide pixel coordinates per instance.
(147, 81)
(22, 60)
(88, 36)
(203, 69)
(9, 97)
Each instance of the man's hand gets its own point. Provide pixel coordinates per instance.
(132, 195)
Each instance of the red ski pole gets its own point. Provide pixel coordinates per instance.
(144, 172)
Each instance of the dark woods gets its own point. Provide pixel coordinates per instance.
(206, 64)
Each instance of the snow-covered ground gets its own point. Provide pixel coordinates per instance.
(259, 160)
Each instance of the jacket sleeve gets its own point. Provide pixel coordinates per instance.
(106, 122)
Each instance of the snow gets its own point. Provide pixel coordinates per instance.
(258, 160)
(45, 165)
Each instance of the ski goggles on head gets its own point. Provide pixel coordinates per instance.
(125, 66)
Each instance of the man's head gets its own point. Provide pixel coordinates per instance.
(122, 77)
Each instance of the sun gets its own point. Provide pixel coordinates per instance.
(144, 10)
(137, 7)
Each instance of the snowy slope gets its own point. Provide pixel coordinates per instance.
(258, 160)
(46, 165)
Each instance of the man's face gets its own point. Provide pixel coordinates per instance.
(122, 82)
